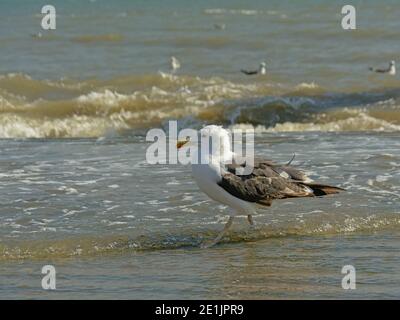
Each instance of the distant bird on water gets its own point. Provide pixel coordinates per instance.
(261, 70)
(175, 64)
(391, 70)
(37, 35)
(219, 26)
(217, 177)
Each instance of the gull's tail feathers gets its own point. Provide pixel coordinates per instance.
(323, 190)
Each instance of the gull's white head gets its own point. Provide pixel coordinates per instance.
(220, 142)
(263, 67)
(215, 143)
(217, 132)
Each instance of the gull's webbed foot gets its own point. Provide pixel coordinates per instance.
(212, 243)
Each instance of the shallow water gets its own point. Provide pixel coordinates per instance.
(298, 267)
(76, 191)
(96, 208)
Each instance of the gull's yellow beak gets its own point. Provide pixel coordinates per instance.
(181, 143)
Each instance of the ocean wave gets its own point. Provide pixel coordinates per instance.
(31, 108)
(14, 126)
(360, 122)
(24, 87)
(88, 246)
(246, 12)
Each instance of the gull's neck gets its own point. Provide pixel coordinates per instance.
(225, 153)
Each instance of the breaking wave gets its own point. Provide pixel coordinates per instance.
(65, 108)
(245, 12)
(91, 246)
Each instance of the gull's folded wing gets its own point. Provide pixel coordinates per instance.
(270, 181)
(249, 73)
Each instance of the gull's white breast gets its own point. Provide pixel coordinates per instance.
(207, 177)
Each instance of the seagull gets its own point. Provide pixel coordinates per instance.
(219, 26)
(261, 70)
(175, 64)
(37, 35)
(268, 181)
(391, 70)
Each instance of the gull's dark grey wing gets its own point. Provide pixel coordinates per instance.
(270, 181)
(249, 73)
(265, 167)
(380, 70)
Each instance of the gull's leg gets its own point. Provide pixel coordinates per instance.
(221, 234)
(250, 219)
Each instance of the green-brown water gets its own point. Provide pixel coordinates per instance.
(115, 226)
(76, 191)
